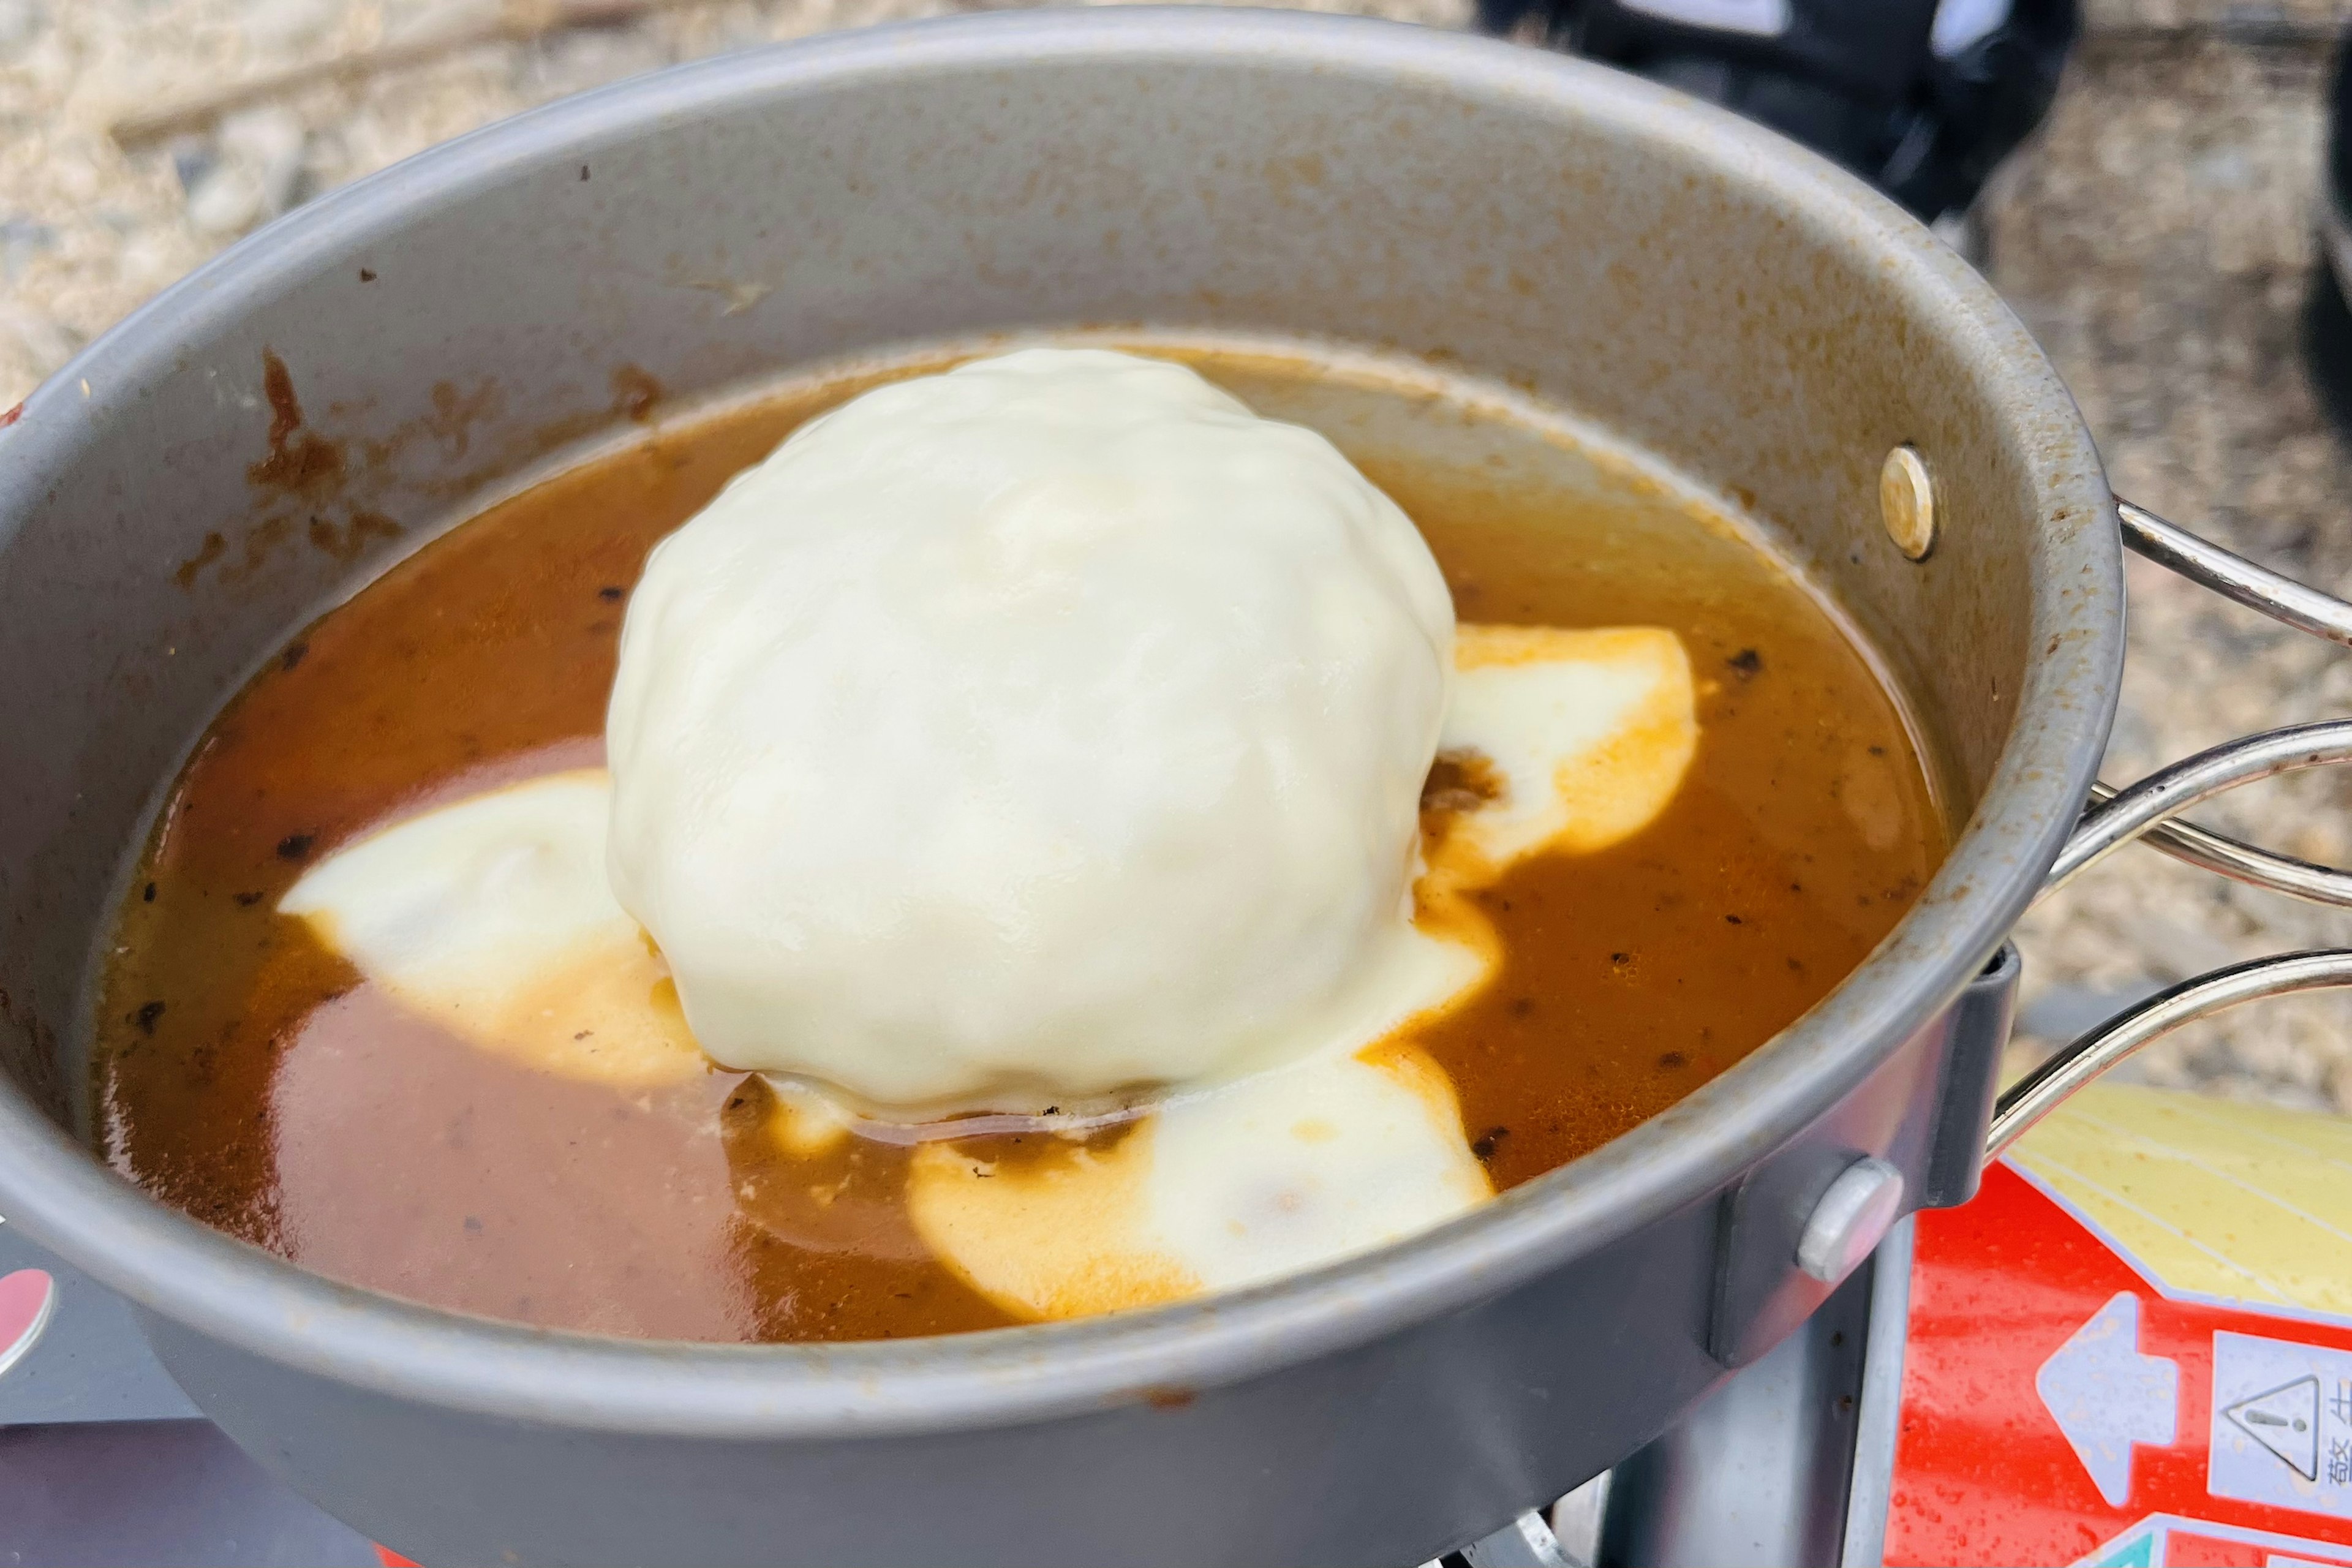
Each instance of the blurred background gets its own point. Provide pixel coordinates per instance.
(2157, 231)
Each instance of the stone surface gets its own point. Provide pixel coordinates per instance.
(2156, 237)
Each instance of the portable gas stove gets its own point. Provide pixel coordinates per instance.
(2133, 1350)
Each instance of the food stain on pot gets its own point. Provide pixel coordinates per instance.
(29, 1047)
(474, 445)
(215, 546)
(339, 542)
(455, 413)
(634, 393)
(300, 464)
(299, 461)
(344, 542)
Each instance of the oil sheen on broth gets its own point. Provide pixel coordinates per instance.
(253, 1078)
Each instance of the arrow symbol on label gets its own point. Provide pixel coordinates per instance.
(2106, 1397)
(2285, 1420)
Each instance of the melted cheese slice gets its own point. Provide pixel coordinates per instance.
(1281, 1171)
(1590, 731)
(493, 917)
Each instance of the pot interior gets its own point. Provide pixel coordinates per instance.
(349, 383)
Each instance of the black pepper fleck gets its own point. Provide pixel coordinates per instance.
(146, 1016)
(295, 845)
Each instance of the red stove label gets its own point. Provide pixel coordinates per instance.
(2063, 1406)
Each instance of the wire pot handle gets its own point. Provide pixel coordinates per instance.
(2146, 809)
(2114, 818)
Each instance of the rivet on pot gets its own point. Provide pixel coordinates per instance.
(1906, 501)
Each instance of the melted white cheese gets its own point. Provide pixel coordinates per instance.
(492, 916)
(1591, 731)
(1279, 1171)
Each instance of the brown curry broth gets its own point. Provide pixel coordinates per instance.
(254, 1080)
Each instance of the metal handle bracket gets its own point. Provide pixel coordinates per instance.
(2145, 810)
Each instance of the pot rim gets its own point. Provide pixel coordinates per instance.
(175, 1266)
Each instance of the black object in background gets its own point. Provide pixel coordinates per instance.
(2327, 320)
(1921, 99)
(2339, 142)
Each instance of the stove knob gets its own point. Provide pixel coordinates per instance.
(1851, 1219)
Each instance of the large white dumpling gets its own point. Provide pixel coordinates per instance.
(1040, 729)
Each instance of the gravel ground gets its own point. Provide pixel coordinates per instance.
(2157, 238)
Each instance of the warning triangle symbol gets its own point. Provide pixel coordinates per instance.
(2286, 1421)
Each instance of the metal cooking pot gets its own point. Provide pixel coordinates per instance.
(1759, 321)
